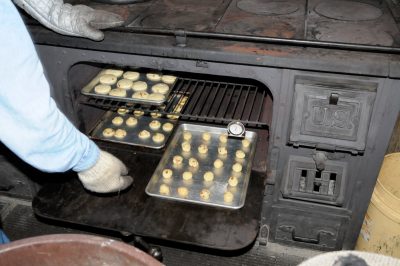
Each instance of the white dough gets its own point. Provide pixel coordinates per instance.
(108, 79)
(102, 89)
(139, 86)
(131, 75)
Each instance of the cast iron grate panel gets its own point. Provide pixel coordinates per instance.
(207, 101)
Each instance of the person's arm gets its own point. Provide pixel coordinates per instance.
(66, 19)
(31, 124)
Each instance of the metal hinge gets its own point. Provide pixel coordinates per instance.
(262, 239)
(180, 37)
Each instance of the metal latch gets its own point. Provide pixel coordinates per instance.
(334, 98)
(180, 37)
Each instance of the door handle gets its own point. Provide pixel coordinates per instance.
(292, 231)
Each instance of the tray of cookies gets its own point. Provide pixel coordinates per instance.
(203, 165)
(134, 128)
(131, 86)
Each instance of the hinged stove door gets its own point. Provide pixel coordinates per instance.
(331, 116)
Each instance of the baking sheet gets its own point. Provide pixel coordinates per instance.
(219, 185)
(132, 136)
(89, 89)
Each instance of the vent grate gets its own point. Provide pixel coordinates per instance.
(205, 101)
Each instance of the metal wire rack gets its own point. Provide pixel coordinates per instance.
(204, 100)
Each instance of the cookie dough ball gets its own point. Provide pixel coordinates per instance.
(155, 125)
(120, 133)
(108, 79)
(122, 111)
(173, 117)
(158, 137)
(115, 72)
(167, 173)
(183, 100)
(168, 79)
(118, 92)
(187, 175)
(117, 121)
(206, 136)
(223, 138)
(138, 113)
(193, 162)
(183, 192)
(203, 148)
(164, 190)
(178, 109)
(246, 143)
(139, 86)
(131, 75)
(186, 146)
(125, 84)
(240, 154)
(187, 135)
(142, 95)
(228, 197)
(177, 160)
(153, 77)
(144, 134)
(155, 115)
(237, 167)
(218, 163)
(222, 151)
(102, 89)
(233, 181)
(156, 97)
(167, 127)
(205, 194)
(131, 121)
(160, 88)
(108, 132)
(208, 176)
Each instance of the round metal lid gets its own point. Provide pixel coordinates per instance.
(352, 33)
(348, 10)
(273, 8)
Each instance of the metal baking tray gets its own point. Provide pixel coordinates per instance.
(219, 185)
(132, 137)
(89, 89)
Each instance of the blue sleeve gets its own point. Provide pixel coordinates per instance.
(31, 125)
(3, 238)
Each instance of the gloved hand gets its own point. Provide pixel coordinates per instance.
(109, 174)
(79, 20)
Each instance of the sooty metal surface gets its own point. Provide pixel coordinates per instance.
(136, 213)
(294, 19)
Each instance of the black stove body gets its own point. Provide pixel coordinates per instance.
(330, 75)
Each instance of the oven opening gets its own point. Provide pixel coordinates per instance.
(220, 212)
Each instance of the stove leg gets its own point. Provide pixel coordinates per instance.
(140, 243)
(153, 251)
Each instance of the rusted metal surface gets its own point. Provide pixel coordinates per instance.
(72, 249)
(351, 22)
(264, 18)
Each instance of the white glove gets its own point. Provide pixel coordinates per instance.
(79, 20)
(109, 174)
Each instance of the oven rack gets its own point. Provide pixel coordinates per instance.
(208, 101)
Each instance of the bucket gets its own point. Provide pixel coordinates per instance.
(72, 249)
(380, 232)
